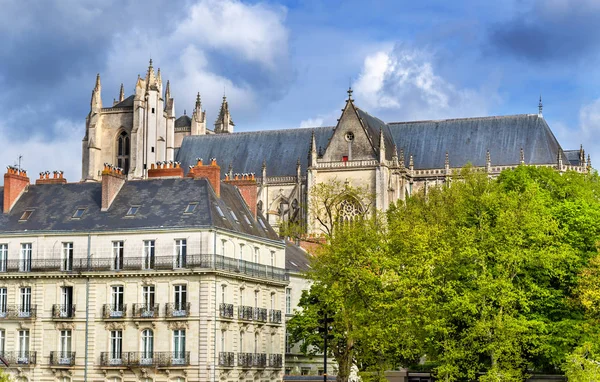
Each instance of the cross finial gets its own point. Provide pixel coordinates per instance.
(349, 93)
(540, 106)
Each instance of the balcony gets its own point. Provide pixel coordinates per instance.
(169, 359)
(59, 358)
(275, 316)
(114, 311)
(158, 263)
(245, 360)
(226, 310)
(145, 311)
(19, 357)
(63, 311)
(117, 359)
(245, 312)
(145, 359)
(259, 360)
(226, 359)
(275, 360)
(18, 312)
(260, 314)
(178, 310)
(142, 359)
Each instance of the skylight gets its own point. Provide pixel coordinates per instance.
(190, 208)
(262, 224)
(234, 217)
(132, 211)
(220, 211)
(26, 215)
(78, 213)
(247, 220)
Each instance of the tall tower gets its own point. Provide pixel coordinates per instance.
(224, 124)
(198, 118)
(91, 144)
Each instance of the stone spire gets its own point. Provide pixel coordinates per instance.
(447, 161)
(559, 159)
(402, 163)
(381, 146)
(96, 102)
(488, 161)
(264, 171)
(168, 91)
(151, 81)
(224, 124)
(540, 107)
(522, 157)
(395, 157)
(589, 163)
(122, 93)
(411, 164)
(198, 118)
(313, 150)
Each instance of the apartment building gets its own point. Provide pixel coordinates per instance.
(168, 279)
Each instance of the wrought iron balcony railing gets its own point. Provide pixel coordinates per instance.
(245, 360)
(169, 359)
(145, 359)
(275, 316)
(18, 312)
(226, 310)
(63, 311)
(114, 311)
(145, 311)
(59, 358)
(178, 310)
(245, 312)
(114, 359)
(260, 314)
(142, 359)
(275, 360)
(226, 359)
(109, 264)
(259, 360)
(19, 357)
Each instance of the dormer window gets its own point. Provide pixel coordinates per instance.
(190, 208)
(132, 211)
(220, 211)
(234, 217)
(78, 213)
(26, 215)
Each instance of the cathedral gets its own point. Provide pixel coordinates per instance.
(390, 159)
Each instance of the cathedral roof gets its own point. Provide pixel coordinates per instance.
(373, 126)
(183, 121)
(573, 157)
(161, 205)
(127, 102)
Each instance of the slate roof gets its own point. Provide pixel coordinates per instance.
(572, 157)
(183, 121)
(296, 259)
(127, 102)
(161, 205)
(246, 151)
(374, 126)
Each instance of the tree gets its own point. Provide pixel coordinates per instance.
(5, 377)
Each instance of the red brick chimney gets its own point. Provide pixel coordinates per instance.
(57, 178)
(246, 183)
(112, 181)
(212, 172)
(15, 183)
(165, 170)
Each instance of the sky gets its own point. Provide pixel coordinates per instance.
(288, 64)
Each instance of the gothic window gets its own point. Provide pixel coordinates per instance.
(123, 151)
(349, 210)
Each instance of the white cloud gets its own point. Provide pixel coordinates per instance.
(402, 82)
(311, 122)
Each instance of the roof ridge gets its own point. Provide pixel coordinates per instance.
(262, 131)
(463, 119)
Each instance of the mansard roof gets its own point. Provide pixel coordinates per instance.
(280, 149)
(467, 140)
(127, 102)
(296, 259)
(161, 202)
(183, 121)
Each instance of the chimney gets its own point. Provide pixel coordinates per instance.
(212, 172)
(112, 181)
(57, 178)
(246, 183)
(168, 169)
(15, 183)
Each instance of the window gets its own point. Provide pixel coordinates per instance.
(223, 340)
(220, 211)
(256, 299)
(132, 211)
(262, 224)
(152, 110)
(123, 152)
(272, 258)
(180, 253)
(23, 356)
(288, 301)
(66, 301)
(288, 343)
(25, 260)
(241, 342)
(148, 256)
(234, 217)
(3, 301)
(148, 297)
(256, 342)
(223, 293)
(67, 257)
(178, 346)
(26, 215)
(25, 307)
(223, 242)
(180, 300)
(272, 301)
(78, 213)
(241, 256)
(256, 255)
(65, 347)
(147, 347)
(349, 209)
(305, 371)
(3, 257)
(241, 296)
(247, 220)
(118, 254)
(116, 347)
(117, 306)
(2, 340)
(190, 208)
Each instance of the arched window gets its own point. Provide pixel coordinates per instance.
(349, 209)
(147, 346)
(123, 149)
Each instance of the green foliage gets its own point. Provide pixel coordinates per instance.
(4, 377)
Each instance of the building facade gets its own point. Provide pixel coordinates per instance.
(166, 279)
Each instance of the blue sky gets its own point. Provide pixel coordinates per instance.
(287, 64)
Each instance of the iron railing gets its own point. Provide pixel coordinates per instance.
(19, 312)
(275, 316)
(108, 264)
(19, 357)
(60, 358)
(178, 310)
(145, 310)
(114, 311)
(259, 360)
(63, 311)
(168, 359)
(275, 360)
(226, 359)
(245, 312)
(226, 310)
(260, 314)
(142, 359)
(245, 360)
(114, 359)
